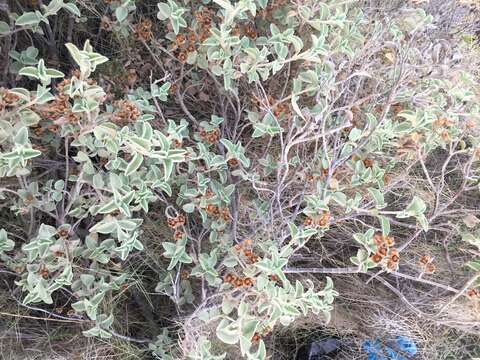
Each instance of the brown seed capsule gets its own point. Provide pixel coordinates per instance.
(324, 219)
(44, 273)
(368, 163)
(212, 209)
(182, 56)
(53, 128)
(382, 250)
(247, 282)
(178, 235)
(256, 338)
(425, 259)
(392, 265)
(377, 257)
(180, 220)
(232, 163)
(173, 89)
(28, 199)
(472, 292)
(430, 268)
(445, 136)
(62, 233)
(238, 282)
(229, 278)
(378, 239)
(172, 222)
(386, 179)
(394, 256)
(389, 241)
(184, 275)
(248, 253)
(180, 39)
(308, 221)
(273, 278)
(250, 31)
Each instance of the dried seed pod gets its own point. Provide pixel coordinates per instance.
(182, 56)
(273, 278)
(63, 233)
(394, 256)
(184, 275)
(180, 220)
(247, 282)
(178, 235)
(377, 257)
(382, 250)
(391, 265)
(256, 338)
(180, 39)
(172, 222)
(229, 278)
(472, 293)
(389, 241)
(425, 259)
(368, 163)
(238, 282)
(212, 209)
(430, 268)
(232, 163)
(378, 239)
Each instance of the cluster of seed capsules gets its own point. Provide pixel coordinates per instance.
(183, 45)
(278, 108)
(473, 293)
(248, 30)
(321, 220)
(441, 125)
(257, 336)
(210, 137)
(43, 270)
(237, 281)
(386, 253)
(323, 175)
(186, 43)
(143, 30)
(426, 263)
(59, 111)
(233, 163)
(218, 212)
(8, 99)
(245, 248)
(177, 223)
(126, 114)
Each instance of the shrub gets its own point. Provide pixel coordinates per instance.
(273, 126)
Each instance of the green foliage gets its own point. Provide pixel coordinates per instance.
(299, 138)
